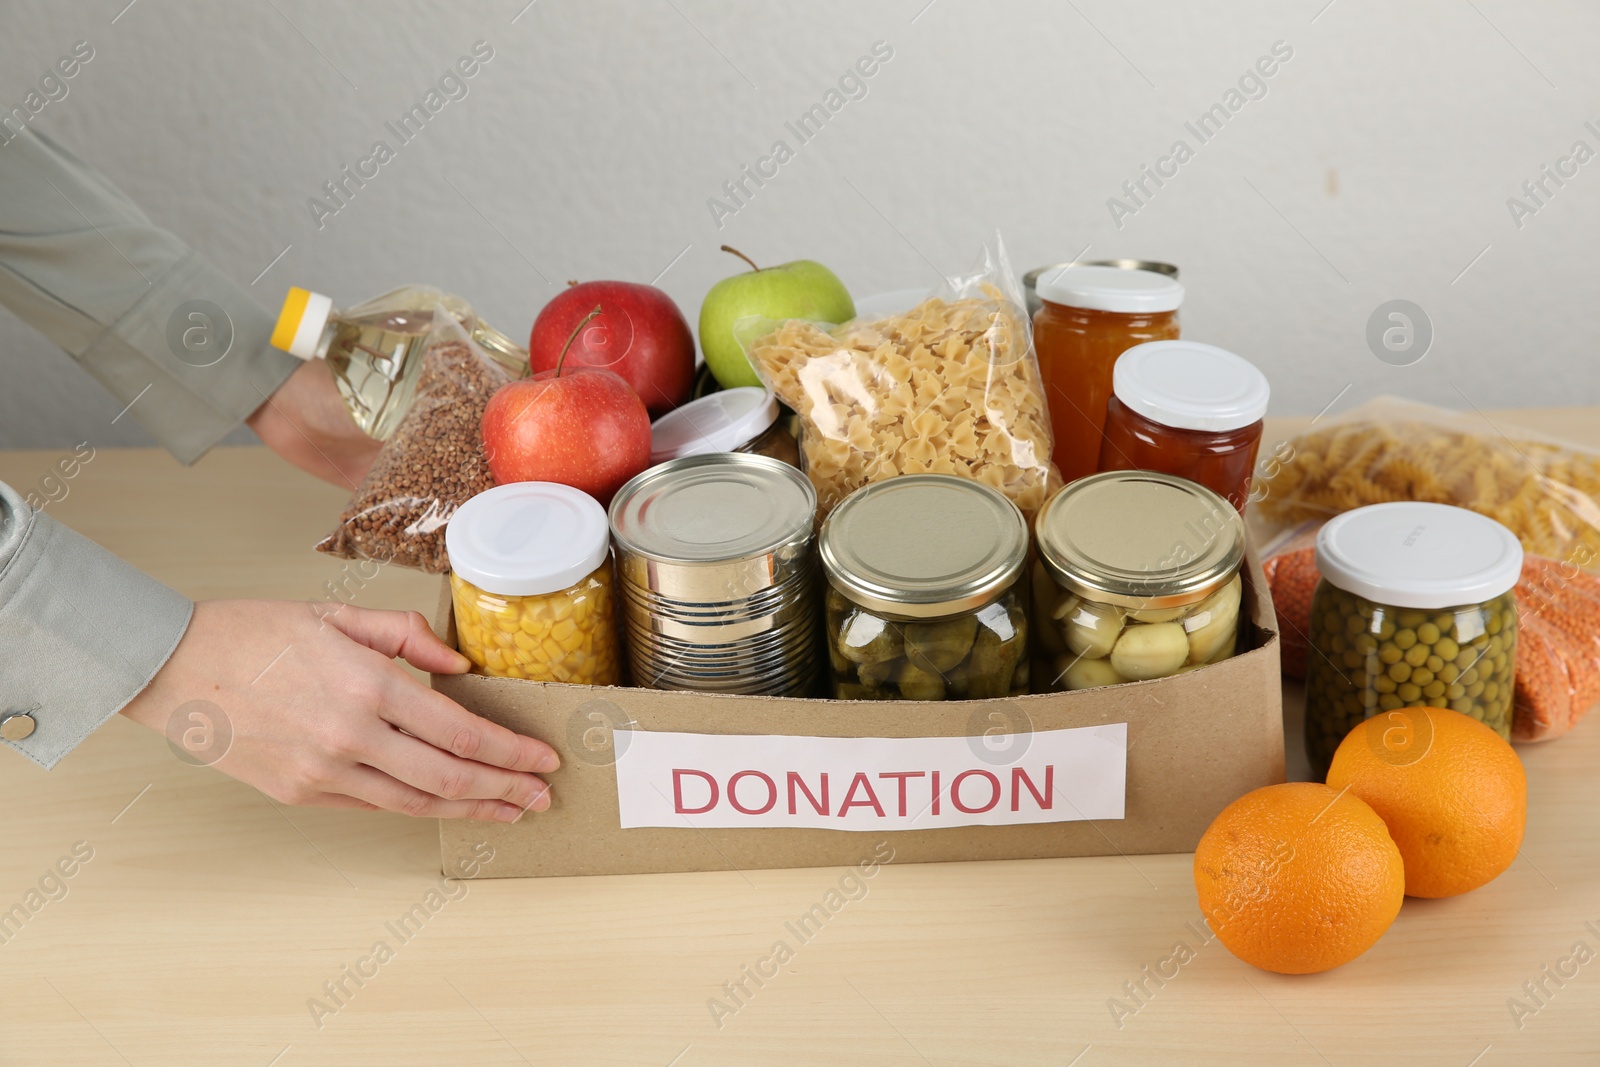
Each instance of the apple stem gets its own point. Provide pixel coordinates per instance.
(573, 336)
(742, 256)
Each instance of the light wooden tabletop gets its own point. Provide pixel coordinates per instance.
(208, 918)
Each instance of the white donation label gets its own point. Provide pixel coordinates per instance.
(870, 783)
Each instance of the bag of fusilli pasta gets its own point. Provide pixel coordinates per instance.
(949, 387)
(1545, 491)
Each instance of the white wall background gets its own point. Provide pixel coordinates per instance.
(1377, 167)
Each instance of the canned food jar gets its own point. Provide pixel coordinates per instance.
(1088, 316)
(1184, 408)
(743, 419)
(923, 600)
(1416, 606)
(717, 581)
(532, 587)
(1138, 578)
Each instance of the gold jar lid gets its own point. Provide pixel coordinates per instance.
(922, 546)
(1139, 539)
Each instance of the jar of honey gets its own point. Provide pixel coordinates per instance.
(1184, 408)
(1089, 316)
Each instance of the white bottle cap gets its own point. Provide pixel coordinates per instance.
(300, 323)
(1130, 292)
(720, 422)
(527, 538)
(1190, 386)
(1416, 555)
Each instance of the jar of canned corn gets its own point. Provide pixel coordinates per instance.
(1415, 608)
(531, 583)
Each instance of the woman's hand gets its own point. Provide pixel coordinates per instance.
(306, 422)
(320, 714)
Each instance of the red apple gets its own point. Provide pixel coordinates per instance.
(640, 335)
(581, 427)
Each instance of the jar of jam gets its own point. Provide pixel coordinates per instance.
(1188, 409)
(531, 584)
(1089, 316)
(1145, 570)
(744, 419)
(1416, 607)
(923, 600)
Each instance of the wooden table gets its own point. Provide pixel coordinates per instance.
(209, 917)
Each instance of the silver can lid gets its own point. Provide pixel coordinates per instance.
(713, 508)
(1139, 539)
(924, 545)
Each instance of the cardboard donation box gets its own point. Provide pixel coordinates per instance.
(655, 781)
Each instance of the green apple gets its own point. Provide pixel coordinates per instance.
(802, 289)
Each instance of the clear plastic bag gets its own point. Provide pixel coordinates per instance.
(431, 465)
(1545, 491)
(950, 387)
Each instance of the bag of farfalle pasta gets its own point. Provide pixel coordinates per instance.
(949, 387)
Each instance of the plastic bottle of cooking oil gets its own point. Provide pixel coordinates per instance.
(374, 349)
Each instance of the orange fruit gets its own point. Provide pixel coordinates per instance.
(1452, 791)
(1298, 878)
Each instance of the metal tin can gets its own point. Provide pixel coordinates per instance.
(1138, 578)
(924, 601)
(717, 582)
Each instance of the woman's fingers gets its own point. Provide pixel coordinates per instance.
(421, 765)
(444, 724)
(338, 800)
(364, 783)
(398, 634)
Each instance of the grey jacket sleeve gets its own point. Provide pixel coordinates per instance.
(81, 632)
(159, 327)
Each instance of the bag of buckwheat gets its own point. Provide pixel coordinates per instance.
(430, 466)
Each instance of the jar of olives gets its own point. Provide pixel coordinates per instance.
(923, 600)
(531, 584)
(1138, 578)
(1415, 607)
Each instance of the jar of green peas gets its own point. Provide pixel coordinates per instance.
(1415, 607)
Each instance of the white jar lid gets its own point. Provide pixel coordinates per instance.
(720, 422)
(527, 538)
(1110, 289)
(1415, 555)
(1190, 386)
